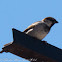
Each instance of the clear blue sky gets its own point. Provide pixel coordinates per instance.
(20, 14)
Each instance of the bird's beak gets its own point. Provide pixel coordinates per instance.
(56, 22)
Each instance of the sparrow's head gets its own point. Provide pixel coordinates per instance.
(50, 21)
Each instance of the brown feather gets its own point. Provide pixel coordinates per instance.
(31, 26)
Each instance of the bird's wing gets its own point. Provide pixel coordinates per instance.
(31, 26)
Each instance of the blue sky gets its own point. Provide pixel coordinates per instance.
(20, 14)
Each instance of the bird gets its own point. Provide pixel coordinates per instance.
(41, 28)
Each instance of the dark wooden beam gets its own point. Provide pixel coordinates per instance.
(32, 49)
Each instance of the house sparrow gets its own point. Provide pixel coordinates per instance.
(41, 28)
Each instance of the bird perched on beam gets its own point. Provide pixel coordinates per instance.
(38, 29)
(41, 28)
